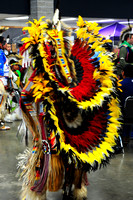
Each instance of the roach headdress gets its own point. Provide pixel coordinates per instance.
(77, 121)
(126, 31)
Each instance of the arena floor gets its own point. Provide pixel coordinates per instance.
(112, 182)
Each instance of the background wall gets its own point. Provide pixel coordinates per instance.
(15, 6)
(96, 8)
(41, 8)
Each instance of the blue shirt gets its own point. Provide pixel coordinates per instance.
(2, 62)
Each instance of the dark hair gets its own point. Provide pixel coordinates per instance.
(128, 70)
(108, 46)
(12, 61)
(126, 36)
(2, 40)
(126, 33)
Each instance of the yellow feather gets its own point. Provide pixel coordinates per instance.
(80, 21)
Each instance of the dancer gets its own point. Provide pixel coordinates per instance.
(4, 77)
(125, 54)
(71, 108)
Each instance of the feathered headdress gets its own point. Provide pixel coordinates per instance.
(125, 31)
(14, 56)
(78, 89)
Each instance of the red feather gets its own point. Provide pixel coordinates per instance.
(87, 86)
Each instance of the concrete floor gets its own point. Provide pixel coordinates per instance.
(114, 182)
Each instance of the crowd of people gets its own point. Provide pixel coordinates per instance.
(122, 55)
(12, 74)
(124, 67)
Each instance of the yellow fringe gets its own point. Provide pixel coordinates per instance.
(56, 173)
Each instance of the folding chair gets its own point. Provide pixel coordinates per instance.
(128, 112)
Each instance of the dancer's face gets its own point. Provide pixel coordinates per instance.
(130, 40)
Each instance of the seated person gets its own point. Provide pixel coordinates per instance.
(127, 90)
(126, 83)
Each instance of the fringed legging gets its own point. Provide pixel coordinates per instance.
(3, 97)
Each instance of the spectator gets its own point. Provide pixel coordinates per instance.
(126, 83)
(115, 50)
(127, 90)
